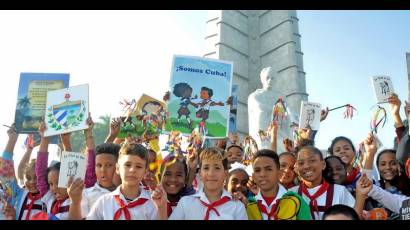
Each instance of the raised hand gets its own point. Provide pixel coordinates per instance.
(159, 197)
(75, 189)
(395, 104)
(252, 186)
(370, 144)
(89, 131)
(115, 127)
(288, 143)
(12, 133)
(42, 128)
(166, 96)
(240, 196)
(363, 186)
(323, 114)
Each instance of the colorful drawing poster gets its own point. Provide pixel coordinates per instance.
(72, 165)
(383, 88)
(310, 115)
(233, 109)
(147, 115)
(199, 90)
(32, 96)
(66, 110)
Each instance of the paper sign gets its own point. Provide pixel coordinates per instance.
(72, 165)
(32, 97)
(310, 115)
(383, 88)
(66, 110)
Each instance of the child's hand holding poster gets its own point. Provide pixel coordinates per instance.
(72, 165)
(199, 90)
(383, 88)
(310, 115)
(66, 110)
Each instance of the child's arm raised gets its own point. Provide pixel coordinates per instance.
(66, 142)
(115, 127)
(363, 187)
(24, 161)
(42, 161)
(90, 177)
(192, 164)
(370, 146)
(7, 172)
(75, 192)
(159, 197)
(273, 128)
(395, 104)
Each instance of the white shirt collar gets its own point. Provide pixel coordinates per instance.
(202, 196)
(282, 190)
(143, 194)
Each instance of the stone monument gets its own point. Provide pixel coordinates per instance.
(260, 108)
(253, 40)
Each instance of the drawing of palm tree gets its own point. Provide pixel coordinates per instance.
(23, 104)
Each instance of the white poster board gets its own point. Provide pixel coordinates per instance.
(72, 165)
(383, 88)
(310, 115)
(66, 110)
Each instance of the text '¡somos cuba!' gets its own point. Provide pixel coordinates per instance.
(207, 71)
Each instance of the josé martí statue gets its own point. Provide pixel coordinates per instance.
(260, 107)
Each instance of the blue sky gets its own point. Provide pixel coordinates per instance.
(342, 50)
(117, 51)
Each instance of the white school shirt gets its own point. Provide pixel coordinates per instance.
(258, 197)
(191, 208)
(340, 196)
(391, 201)
(49, 198)
(33, 212)
(106, 206)
(93, 193)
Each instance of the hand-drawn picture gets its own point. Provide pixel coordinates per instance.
(309, 115)
(72, 165)
(145, 116)
(67, 110)
(383, 88)
(72, 168)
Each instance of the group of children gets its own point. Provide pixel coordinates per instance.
(125, 180)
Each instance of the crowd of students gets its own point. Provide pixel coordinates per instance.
(125, 180)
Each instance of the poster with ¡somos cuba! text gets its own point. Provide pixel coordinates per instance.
(66, 110)
(72, 165)
(383, 88)
(310, 115)
(199, 90)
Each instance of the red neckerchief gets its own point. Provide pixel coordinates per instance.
(352, 175)
(272, 214)
(211, 207)
(170, 204)
(313, 202)
(124, 207)
(33, 198)
(55, 208)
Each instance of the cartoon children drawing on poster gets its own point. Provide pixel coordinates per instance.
(204, 106)
(184, 91)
